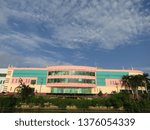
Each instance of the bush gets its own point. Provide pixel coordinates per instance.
(115, 100)
(131, 106)
(42, 100)
(108, 103)
(83, 103)
(61, 103)
(7, 104)
(98, 102)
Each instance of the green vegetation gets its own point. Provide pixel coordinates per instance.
(100, 93)
(116, 102)
(26, 92)
(134, 82)
(7, 104)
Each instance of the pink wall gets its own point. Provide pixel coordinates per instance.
(113, 70)
(14, 68)
(113, 82)
(77, 68)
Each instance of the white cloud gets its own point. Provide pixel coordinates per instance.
(43, 61)
(8, 56)
(67, 23)
(107, 23)
(28, 41)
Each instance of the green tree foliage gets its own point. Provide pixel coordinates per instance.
(83, 103)
(7, 104)
(26, 92)
(145, 81)
(100, 94)
(133, 82)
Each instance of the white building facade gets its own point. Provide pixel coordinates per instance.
(3, 73)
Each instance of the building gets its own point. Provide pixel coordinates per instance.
(35, 77)
(67, 79)
(3, 73)
(71, 79)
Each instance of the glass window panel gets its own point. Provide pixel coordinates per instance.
(71, 73)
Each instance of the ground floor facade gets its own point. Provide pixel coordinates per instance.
(3, 73)
(67, 79)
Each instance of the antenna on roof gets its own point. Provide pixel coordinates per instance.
(131, 67)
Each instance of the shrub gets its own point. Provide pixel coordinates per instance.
(7, 104)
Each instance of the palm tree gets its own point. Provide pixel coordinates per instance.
(125, 82)
(133, 82)
(145, 81)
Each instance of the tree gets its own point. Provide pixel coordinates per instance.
(133, 82)
(126, 82)
(100, 94)
(145, 81)
(26, 91)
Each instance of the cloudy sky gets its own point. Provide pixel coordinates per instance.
(105, 33)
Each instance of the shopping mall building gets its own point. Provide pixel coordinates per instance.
(67, 79)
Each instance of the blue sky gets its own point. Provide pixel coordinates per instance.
(105, 33)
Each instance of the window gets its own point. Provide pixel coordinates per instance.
(2, 75)
(26, 81)
(80, 80)
(33, 82)
(16, 80)
(72, 72)
(71, 80)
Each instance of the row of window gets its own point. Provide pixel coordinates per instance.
(18, 81)
(70, 80)
(2, 81)
(2, 75)
(71, 73)
(115, 83)
(26, 81)
(71, 90)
